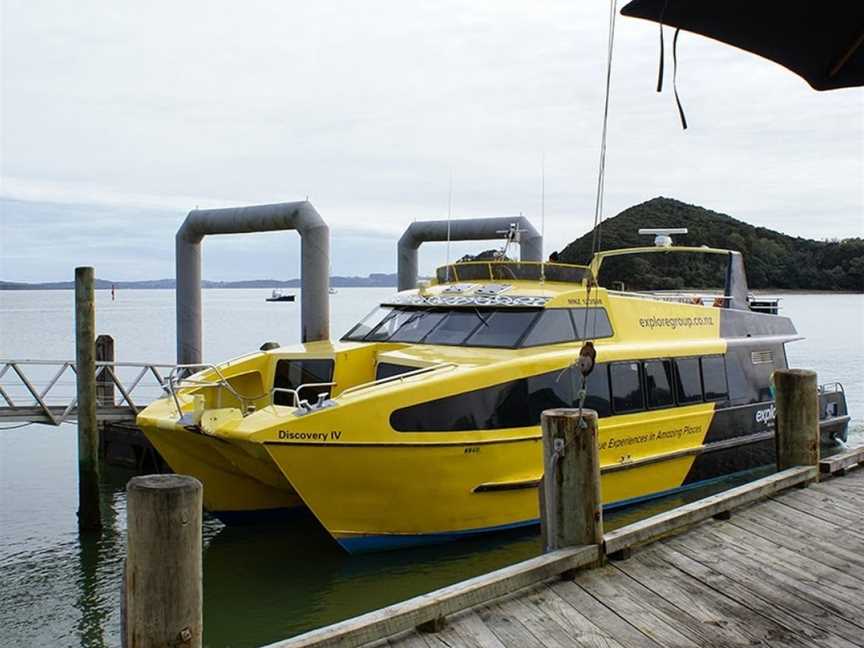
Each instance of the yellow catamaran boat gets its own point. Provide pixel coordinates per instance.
(422, 423)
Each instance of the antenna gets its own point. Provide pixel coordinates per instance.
(449, 215)
(542, 216)
(662, 235)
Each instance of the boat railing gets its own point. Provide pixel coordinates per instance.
(398, 378)
(832, 388)
(295, 393)
(697, 299)
(758, 303)
(175, 382)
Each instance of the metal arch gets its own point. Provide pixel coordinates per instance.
(469, 229)
(314, 273)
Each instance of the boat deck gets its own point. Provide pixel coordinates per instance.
(788, 571)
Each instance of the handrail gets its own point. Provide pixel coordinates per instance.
(296, 392)
(832, 387)
(49, 401)
(174, 382)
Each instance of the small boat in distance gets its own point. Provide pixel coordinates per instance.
(333, 291)
(279, 296)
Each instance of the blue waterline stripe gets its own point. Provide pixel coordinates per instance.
(388, 542)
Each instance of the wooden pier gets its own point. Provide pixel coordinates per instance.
(785, 572)
(777, 562)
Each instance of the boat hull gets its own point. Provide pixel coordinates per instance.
(237, 487)
(388, 495)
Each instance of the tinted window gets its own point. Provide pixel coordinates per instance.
(517, 403)
(390, 325)
(591, 323)
(388, 370)
(626, 387)
(290, 374)
(658, 383)
(367, 323)
(687, 381)
(502, 328)
(457, 326)
(417, 326)
(553, 326)
(714, 378)
(743, 377)
(597, 387)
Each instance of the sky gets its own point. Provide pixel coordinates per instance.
(116, 119)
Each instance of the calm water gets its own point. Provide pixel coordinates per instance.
(263, 583)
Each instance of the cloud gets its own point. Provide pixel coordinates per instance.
(151, 109)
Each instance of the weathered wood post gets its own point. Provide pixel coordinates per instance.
(163, 574)
(572, 514)
(104, 384)
(797, 418)
(89, 516)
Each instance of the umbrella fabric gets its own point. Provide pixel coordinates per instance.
(820, 40)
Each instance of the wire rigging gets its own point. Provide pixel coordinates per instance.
(596, 238)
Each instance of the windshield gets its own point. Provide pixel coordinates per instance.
(506, 328)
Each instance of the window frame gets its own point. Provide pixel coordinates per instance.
(722, 358)
(676, 374)
(614, 409)
(536, 323)
(672, 387)
(536, 313)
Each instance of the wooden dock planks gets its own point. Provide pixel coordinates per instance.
(788, 571)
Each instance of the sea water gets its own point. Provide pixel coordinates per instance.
(261, 583)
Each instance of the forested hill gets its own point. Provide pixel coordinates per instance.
(772, 259)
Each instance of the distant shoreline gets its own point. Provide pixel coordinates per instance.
(371, 281)
(295, 284)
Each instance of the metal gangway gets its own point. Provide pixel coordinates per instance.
(44, 391)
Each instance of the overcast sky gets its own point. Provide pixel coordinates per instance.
(118, 118)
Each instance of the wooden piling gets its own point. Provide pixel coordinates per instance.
(797, 418)
(163, 575)
(89, 516)
(572, 514)
(104, 384)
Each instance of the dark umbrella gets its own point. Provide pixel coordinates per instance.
(819, 40)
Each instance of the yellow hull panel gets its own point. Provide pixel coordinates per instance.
(227, 488)
(429, 488)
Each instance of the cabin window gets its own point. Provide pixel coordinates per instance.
(553, 326)
(390, 325)
(415, 328)
(658, 383)
(388, 370)
(513, 404)
(368, 323)
(626, 387)
(591, 323)
(457, 326)
(597, 391)
(291, 374)
(687, 381)
(714, 378)
(501, 328)
(740, 378)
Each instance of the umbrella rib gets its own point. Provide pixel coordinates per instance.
(845, 58)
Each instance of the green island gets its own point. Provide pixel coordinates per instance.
(773, 260)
